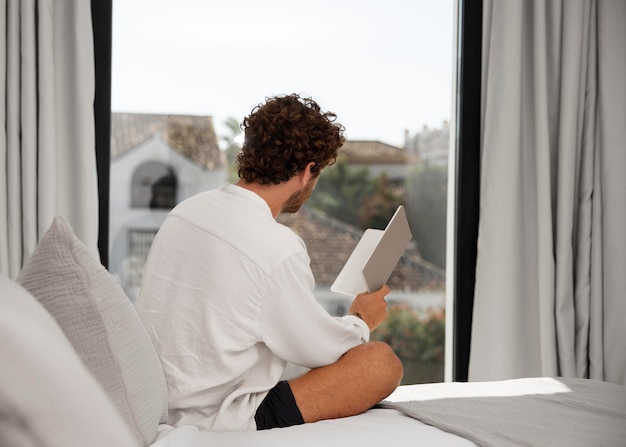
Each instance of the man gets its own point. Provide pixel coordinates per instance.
(227, 294)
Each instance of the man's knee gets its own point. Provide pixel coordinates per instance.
(381, 358)
(390, 359)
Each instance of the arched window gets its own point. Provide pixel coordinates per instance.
(154, 185)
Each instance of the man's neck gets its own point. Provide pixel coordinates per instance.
(274, 195)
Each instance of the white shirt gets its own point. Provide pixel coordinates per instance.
(227, 298)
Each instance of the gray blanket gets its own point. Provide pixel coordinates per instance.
(521, 412)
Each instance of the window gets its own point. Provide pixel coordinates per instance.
(384, 67)
(153, 186)
(139, 242)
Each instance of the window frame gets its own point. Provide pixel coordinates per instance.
(465, 193)
(466, 147)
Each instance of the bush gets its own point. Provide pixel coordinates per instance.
(418, 340)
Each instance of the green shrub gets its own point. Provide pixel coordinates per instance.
(418, 340)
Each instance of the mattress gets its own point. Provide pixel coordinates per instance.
(559, 412)
(376, 427)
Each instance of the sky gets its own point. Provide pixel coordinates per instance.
(383, 66)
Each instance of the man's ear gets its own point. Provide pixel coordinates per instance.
(307, 175)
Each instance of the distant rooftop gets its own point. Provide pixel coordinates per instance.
(371, 151)
(193, 136)
(330, 243)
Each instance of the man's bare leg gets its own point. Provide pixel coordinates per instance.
(361, 378)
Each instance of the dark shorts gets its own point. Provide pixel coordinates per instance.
(278, 409)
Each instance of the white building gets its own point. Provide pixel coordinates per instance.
(156, 162)
(379, 158)
(430, 144)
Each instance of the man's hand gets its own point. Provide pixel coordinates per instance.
(371, 307)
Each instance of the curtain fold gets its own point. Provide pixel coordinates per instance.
(551, 264)
(47, 140)
(611, 124)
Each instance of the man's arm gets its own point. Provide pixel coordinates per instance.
(298, 329)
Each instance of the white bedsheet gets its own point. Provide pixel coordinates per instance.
(539, 411)
(375, 428)
(533, 411)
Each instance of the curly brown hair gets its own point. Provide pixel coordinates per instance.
(285, 134)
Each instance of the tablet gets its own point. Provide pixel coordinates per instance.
(369, 266)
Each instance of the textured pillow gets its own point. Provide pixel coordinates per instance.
(102, 325)
(47, 396)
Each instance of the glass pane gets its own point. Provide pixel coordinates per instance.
(185, 74)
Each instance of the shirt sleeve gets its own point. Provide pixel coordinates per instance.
(296, 327)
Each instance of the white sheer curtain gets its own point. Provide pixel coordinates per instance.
(47, 142)
(550, 294)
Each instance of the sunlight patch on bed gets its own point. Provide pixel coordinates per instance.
(506, 388)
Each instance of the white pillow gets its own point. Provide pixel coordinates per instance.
(47, 396)
(102, 325)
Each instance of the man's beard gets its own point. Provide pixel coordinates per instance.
(298, 198)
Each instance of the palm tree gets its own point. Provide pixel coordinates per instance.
(232, 147)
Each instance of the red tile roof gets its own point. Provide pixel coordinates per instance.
(330, 242)
(370, 151)
(192, 136)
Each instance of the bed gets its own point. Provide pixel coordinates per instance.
(521, 412)
(78, 369)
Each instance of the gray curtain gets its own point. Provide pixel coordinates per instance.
(550, 294)
(47, 137)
